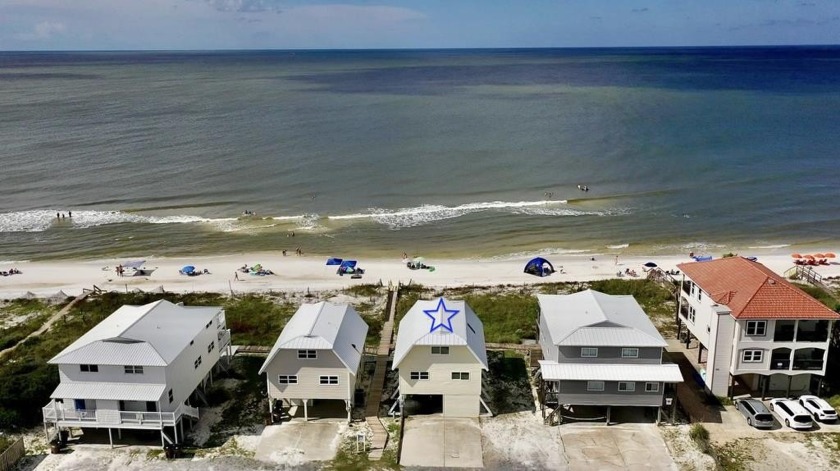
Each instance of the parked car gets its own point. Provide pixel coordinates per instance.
(818, 408)
(756, 413)
(791, 414)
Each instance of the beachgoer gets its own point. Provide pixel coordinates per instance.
(293, 233)
(592, 259)
(70, 214)
(691, 254)
(405, 255)
(63, 216)
(236, 275)
(284, 253)
(58, 215)
(616, 260)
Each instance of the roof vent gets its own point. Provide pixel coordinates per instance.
(771, 281)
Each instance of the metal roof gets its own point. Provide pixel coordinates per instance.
(150, 335)
(419, 328)
(591, 318)
(553, 371)
(109, 391)
(324, 326)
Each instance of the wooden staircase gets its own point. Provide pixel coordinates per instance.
(383, 353)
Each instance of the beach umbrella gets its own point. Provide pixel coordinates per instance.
(829, 255)
(796, 255)
(809, 257)
(651, 265)
(334, 261)
(188, 269)
(819, 255)
(418, 260)
(257, 267)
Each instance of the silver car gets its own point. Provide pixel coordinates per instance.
(756, 413)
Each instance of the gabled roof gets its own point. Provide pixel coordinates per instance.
(591, 318)
(752, 291)
(553, 371)
(150, 335)
(418, 328)
(109, 391)
(324, 326)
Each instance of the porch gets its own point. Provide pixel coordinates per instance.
(56, 413)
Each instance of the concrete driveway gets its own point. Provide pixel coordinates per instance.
(295, 443)
(432, 441)
(617, 447)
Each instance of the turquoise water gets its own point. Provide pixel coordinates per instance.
(444, 153)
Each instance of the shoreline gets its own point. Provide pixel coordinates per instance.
(309, 272)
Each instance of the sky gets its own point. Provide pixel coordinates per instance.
(361, 24)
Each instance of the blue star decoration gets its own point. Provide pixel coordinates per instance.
(441, 316)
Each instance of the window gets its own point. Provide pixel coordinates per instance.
(691, 314)
(133, 370)
(463, 375)
(208, 324)
(329, 380)
(626, 386)
(419, 375)
(753, 356)
(588, 352)
(89, 368)
(171, 396)
(651, 387)
(211, 347)
(440, 350)
(287, 379)
(471, 328)
(699, 294)
(197, 362)
(307, 354)
(757, 328)
(594, 385)
(628, 352)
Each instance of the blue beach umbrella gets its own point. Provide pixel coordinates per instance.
(188, 269)
(334, 261)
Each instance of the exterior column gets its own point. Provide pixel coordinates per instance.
(609, 408)
(110, 438)
(658, 415)
(765, 382)
(162, 441)
(347, 404)
(699, 352)
(305, 411)
(182, 426)
(175, 428)
(790, 380)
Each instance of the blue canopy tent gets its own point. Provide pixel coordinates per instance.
(334, 261)
(539, 267)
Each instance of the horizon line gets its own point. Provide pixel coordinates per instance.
(421, 49)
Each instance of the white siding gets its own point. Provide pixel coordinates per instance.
(112, 374)
(182, 376)
(549, 349)
(309, 372)
(440, 368)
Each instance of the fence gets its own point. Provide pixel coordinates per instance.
(10, 457)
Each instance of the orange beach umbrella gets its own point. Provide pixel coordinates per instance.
(819, 255)
(829, 255)
(809, 257)
(796, 255)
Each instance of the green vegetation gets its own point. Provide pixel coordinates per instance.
(820, 295)
(507, 318)
(506, 383)
(256, 320)
(734, 455)
(5, 442)
(834, 401)
(348, 459)
(368, 290)
(34, 311)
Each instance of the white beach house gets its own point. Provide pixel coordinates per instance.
(440, 352)
(762, 333)
(138, 368)
(601, 350)
(317, 356)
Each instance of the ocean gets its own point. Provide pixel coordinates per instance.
(444, 153)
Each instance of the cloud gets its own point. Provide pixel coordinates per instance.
(640, 10)
(43, 31)
(245, 6)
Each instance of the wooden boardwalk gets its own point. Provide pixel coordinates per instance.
(383, 353)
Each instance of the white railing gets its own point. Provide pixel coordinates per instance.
(224, 338)
(56, 413)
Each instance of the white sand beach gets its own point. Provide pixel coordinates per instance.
(294, 273)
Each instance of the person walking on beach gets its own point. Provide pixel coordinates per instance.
(236, 275)
(70, 214)
(58, 216)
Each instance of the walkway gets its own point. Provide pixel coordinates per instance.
(47, 324)
(383, 353)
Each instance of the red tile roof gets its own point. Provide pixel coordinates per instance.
(753, 291)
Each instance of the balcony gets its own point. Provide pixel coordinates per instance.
(807, 364)
(224, 338)
(56, 413)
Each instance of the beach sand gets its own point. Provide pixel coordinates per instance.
(297, 273)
